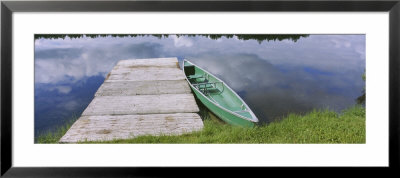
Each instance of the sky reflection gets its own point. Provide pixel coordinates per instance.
(273, 77)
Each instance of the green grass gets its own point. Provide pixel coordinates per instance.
(318, 126)
(55, 136)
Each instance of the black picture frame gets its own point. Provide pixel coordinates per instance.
(8, 7)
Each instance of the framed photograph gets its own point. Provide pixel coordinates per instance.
(104, 88)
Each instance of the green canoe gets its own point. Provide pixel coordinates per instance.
(218, 97)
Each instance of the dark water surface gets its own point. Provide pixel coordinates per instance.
(274, 77)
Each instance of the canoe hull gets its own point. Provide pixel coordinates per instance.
(222, 114)
(219, 98)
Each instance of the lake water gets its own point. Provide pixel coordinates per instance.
(274, 77)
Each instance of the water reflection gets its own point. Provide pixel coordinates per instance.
(275, 75)
(273, 91)
(259, 37)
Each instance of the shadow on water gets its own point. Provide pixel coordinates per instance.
(205, 113)
(361, 99)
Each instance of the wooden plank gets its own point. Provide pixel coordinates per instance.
(129, 88)
(142, 104)
(145, 74)
(153, 62)
(109, 127)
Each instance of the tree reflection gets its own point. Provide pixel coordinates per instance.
(361, 99)
(258, 37)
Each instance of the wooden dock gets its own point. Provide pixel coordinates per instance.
(138, 97)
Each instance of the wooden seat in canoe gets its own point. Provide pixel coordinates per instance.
(209, 87)
(196, 76)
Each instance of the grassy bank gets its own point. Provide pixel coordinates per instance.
(315, 127)
(56, 134)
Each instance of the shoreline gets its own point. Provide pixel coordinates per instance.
(317, 126)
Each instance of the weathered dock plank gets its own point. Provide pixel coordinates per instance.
(129, 88)
(142, 104)
(153, 62)
(103, 128)
(138, 97)
(146, 74)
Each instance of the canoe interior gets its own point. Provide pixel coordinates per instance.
(216, 90)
